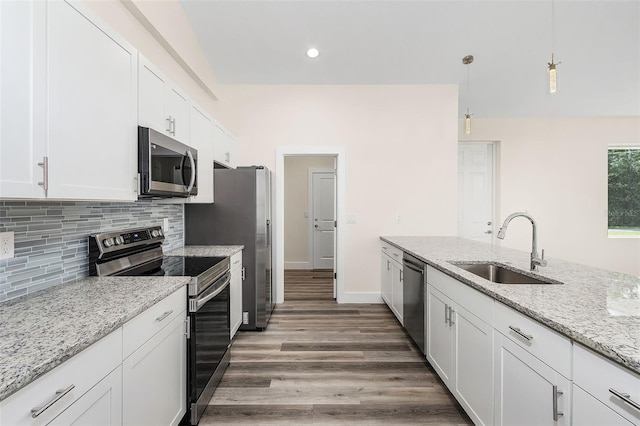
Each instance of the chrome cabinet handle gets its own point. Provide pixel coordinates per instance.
(520, 333)
(45, 174)
(243, 273)
(401, 276)
(625, 397)
(556, 394)
(388, 265)
(163, 316)
(36, 411)
(446, 313)
(227, 157)
(451, 312)
(168, 119)
(173, 126)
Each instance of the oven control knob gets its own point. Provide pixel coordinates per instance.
(119, 240)
(107, 242)
(155, 233)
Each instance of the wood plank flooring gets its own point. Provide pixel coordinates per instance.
(323, 363)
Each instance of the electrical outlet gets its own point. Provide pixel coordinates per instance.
(398, 217)
(6, 245)
(165, 225)
(352, 219)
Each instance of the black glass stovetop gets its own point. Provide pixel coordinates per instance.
(180, 266)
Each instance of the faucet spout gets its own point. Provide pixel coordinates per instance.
(535, 260)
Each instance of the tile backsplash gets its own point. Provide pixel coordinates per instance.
(51, 237)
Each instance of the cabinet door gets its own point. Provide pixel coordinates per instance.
(232, 150)
(151, 110)
(473, 364)
(385, 278)
(439, 334)
(153, 373)
(235, 296)
(524, 388)
(177, 108)
(221, 153)
(101, 406)
(21, 36)
(588, 411)
(397, 293)
(91, 107)
(202, 140)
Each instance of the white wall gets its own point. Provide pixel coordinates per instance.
(556, 169)
(401, 153)
(296, 203)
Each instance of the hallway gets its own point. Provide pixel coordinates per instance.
(323, 363)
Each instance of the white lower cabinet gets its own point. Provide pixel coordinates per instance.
(235, 292)
(589, 411)
(527, 391)
(154, 378)
(392, 280)
(604, 390)
(460, 343)
(101, 406)
(71, 387)
(97, 387)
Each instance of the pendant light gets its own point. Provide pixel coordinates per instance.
(467, 60)
(551, 66)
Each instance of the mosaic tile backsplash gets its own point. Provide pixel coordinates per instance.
(51, 237)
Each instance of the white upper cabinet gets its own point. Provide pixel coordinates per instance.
(69, 105)
(225, 148)
(163, 106)
(19, 173)
(91, 108)
(202, 140)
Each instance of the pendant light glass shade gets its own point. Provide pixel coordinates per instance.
(467, 123)
(553, 76)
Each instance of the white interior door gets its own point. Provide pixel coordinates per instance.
(475, 190)
(323, 218)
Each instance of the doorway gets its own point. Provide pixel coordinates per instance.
(327, 164)
(476, 189)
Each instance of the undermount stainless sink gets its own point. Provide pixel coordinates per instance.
(497, 273)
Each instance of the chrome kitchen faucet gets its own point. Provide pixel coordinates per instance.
(535, 260)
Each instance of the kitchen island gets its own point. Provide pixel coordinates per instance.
(597, 308)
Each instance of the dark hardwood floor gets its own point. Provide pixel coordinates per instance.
(323, 363)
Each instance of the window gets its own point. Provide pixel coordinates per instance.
(624, 191)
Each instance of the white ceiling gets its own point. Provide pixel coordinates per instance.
(424, 41)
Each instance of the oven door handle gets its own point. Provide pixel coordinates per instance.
(200, 301)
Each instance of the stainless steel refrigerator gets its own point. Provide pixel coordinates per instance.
(240, 214)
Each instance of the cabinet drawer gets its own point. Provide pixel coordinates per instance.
(544, 343)
(236, 261)
(141, 328)
(596, 375)
(393, 252)
(477, 303)
(82, 372)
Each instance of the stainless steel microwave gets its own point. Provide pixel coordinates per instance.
(167, 168)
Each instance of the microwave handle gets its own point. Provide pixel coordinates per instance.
(193, 171)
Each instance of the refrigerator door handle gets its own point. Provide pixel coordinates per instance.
(268, 233)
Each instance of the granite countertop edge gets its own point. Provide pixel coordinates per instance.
(477, 283)
(206, 250)
(20, 369)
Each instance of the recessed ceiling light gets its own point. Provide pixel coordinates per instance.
(313, 52)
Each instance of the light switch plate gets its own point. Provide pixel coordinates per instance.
(6, 245)
(352, 219)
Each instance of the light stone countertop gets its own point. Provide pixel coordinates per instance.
(597, 308)
(42, 330)
(205, 251)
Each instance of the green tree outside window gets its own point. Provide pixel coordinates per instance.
(624, 192)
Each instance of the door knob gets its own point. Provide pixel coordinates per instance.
(489, 223)
(316, 226)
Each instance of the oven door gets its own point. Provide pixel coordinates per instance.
(167, 167)
(209, 341)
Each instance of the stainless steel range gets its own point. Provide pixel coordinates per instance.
(138, 252)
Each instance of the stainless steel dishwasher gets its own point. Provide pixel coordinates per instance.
(414, 272)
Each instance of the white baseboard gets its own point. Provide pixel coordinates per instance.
(297, 265)
(361, 297)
